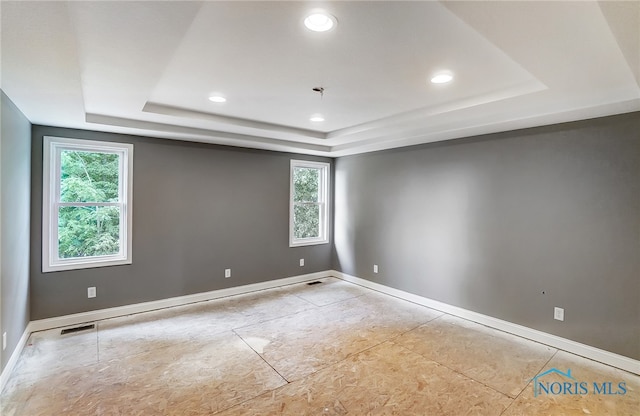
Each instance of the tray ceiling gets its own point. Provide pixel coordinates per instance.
(149, 68)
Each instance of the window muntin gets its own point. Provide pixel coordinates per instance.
(309, 203)
(87, 204)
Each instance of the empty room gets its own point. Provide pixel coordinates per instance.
(320, 208)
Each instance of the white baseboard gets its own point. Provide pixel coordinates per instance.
(84, 317)
(15, 355)
(596, 354)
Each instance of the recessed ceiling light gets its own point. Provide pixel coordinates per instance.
(320, 21)
(217, 99)
(442, 77)
(317, 118)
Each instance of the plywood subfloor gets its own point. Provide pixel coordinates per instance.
(328, 349)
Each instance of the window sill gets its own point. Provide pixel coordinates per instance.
(307, 243)
(78, 265)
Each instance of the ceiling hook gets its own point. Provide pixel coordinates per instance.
(320, 90)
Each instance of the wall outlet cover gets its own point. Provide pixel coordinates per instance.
(91, 292)
(558, 313)
(301, 262)
(375, 268)
(227, 273)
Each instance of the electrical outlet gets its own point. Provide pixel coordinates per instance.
(301, 262)
(558, 313)
(375, 268)
(227, 273)
(4, 341)
(91, 292)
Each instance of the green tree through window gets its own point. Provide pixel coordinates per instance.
(307, 212)
(88, 230)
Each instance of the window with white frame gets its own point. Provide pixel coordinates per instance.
(309, 205)
(86, 204)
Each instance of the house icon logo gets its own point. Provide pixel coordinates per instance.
(537, 384)
(570, 386)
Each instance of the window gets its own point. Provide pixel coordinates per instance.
(309, 208)
(86, 204)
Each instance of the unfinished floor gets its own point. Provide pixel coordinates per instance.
(327, 349)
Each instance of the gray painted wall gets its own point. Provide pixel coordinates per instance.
(15, 173)
(197, 209)
(489, 223)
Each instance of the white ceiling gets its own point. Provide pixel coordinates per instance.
(148, 68)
